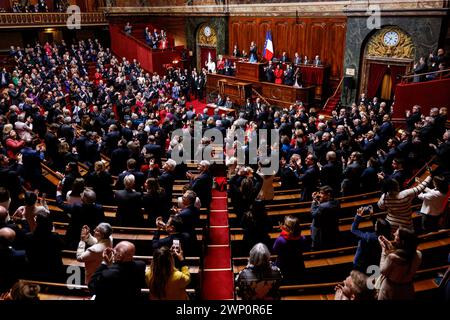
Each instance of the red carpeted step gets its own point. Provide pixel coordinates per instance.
(218, 218)
(220, 285)
(217, 193)
(217, 258)
(219, 236)
(219, 204)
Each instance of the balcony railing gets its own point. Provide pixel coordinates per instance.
(48, 19)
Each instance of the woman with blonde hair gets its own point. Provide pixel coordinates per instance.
(289, 248)
(164, 280)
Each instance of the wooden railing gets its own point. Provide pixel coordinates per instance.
(48, 19)
(334, 93)
(441, 74)
(261, 97)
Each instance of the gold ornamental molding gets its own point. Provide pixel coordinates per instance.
(207, 36)
(32, 20)
(390, 42)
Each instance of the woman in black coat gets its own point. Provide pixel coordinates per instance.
(43, 249)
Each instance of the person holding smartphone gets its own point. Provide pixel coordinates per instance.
(165, 281)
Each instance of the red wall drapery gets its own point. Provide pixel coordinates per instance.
(396, 73)
(376, 73)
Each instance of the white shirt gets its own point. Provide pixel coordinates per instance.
(432, 201)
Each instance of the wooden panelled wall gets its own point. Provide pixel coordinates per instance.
(307, 36)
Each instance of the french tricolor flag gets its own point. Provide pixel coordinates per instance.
(268, 47)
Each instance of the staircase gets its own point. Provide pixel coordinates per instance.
(333, 101)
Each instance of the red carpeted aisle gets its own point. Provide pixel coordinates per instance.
(218, 282)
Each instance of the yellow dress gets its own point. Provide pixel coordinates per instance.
(176, 286)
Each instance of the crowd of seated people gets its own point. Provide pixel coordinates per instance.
(52, 110)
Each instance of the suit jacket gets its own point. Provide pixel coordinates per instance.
(129, 208)
(325, 224)
(331, 175)
(369, 180)
(139, 179)
(118, 282)
(80, 215)
(202, 186)
(119, 159)
(166, 180)
(310, 181)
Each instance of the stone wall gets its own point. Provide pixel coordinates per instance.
(424, 32)
(220, 24)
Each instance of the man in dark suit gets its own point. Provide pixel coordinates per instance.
(352, 174)
(413, 117)
(309, 177)
(87, 213)
(139, 177)
(167, 177)
(398, 174)
(174, 229)
(153, 149)
(331, 173)
(385, 131)
(269, 72)
(111, 139)
(31, 160)
(443, 152)
(368, 146)
(289, 76)
(369, 179)
(119, 158)
(13, 264)
(325, 220)
(284, 58)
(119, 277)
(220, 101)
(129, 204)
(202, 184)
(190, 214)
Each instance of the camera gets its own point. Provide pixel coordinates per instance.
(368, 209)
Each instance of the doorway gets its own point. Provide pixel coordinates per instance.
(205, 54)
(384, 63)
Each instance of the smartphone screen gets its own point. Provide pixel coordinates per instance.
(176, 243)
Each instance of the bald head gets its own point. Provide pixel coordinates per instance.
(124, 251)
(3, 214)
(7, 236)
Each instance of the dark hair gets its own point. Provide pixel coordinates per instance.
(44, 225)
(407, 245)
(30, 198)
(246, 188)
(383, 228)
(77, 187)
(161, 269)
(4, 194)
(441, 184)
(390, 186)
(176, 222)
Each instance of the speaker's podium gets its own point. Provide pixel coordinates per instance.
(250, 71)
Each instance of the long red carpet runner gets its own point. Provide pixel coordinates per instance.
(217, 281)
